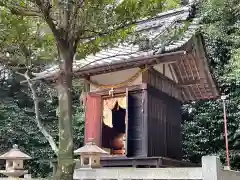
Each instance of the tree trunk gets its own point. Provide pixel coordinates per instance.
(65, 167)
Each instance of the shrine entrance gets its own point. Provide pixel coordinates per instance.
(114, 125)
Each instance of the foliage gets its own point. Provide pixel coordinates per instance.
(116, 22)
(85, 26)
(222, 27)
(94, 24)
(204, 129)
(18, 126)
(22, 41)
(203, 125)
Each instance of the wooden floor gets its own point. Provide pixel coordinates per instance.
(154, 162)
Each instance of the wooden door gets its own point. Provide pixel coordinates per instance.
(135, 136)
(93, 118)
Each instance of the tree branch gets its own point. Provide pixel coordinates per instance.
(109, 31)
(23, 11)
(37, 113)
(73, 19)
(45, 8)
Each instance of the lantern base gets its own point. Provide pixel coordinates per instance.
(14, 173)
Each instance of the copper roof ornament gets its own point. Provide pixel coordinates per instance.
(111, 91)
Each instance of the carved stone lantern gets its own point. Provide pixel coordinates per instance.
(90, 155)
(14, 162)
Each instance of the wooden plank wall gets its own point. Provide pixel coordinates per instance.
(164, 98)
(163, 83)
(157, 142)
(164, 125)
(173, 130)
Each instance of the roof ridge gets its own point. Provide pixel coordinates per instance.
(165, 14)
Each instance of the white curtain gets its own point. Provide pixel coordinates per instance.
(108, 105)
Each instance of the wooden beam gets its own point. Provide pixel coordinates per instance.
(145, 76)
(190, 83)
(122, 90)
(164, 70)
(85, 91)
(175, 91)
(172, 73)
(172, 57)
(162, 76)
(177, 72)
(203, 64)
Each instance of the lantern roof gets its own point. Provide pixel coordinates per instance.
(90, 148)
(15, 153)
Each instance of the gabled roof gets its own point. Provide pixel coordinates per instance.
(160, 38)
(170, 38)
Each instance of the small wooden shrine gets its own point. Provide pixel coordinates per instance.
(133, 107)
(135, 91)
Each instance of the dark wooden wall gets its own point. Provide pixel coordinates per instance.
(154, 124)
(136, 130)
(2, 163)
(163, 115)
(164, 124)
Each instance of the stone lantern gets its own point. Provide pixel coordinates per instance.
(90, 155)
(14, 162)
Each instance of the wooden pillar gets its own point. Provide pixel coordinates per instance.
(145, 76)
(85, 91)
(86, 84)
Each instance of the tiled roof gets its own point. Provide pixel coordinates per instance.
(155, 29)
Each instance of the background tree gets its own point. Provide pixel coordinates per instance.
(18, 126)
(84, 27)
(203, 125)
(21, 47)
(25, 44)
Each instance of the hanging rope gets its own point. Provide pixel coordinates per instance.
(119, 85)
